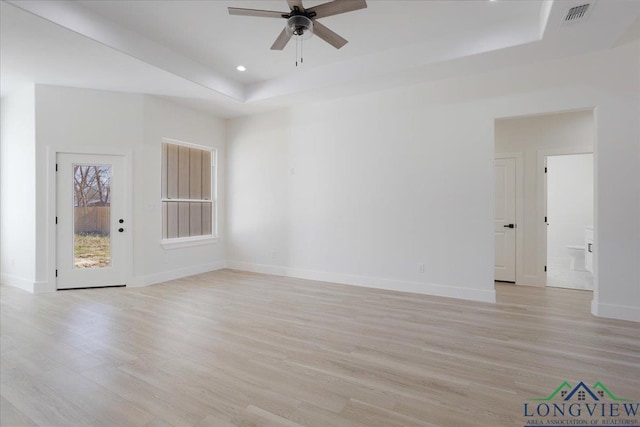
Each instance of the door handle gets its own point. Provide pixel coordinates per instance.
(509, 226)
(590, 247)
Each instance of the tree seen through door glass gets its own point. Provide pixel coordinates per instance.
(92, 216)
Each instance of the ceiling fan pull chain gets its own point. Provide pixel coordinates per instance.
(296, 51)
(302, 51)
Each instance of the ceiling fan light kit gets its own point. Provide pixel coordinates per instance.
(301, 22)
(299, 26)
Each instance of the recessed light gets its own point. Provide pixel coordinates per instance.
(241, 68)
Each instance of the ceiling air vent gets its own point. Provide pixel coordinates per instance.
(576, 13)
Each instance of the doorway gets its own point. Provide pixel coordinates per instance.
(530, 140)
(90, 216)
(569, 218)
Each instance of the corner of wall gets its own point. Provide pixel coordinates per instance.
(615, 311)
(17, 202)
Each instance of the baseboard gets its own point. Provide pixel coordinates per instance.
(17, 282)
(369, 282)
(613, 311)
(165, 276)
(42, 287)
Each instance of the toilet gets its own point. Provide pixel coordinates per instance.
(576, 253)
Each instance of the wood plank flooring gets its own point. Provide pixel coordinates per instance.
(231, 348)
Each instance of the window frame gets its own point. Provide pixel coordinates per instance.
(182, 242)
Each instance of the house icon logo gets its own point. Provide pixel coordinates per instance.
(581, 404)
(582, 392)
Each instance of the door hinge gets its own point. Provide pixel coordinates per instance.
(545, 219)
(56, 167)
(545, 268)
(56, 220)
(56, 272)
(545, 169)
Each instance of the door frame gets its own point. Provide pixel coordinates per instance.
(519, 209)
(541, 183)
(52, 197)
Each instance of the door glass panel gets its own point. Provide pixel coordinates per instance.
(92, 216)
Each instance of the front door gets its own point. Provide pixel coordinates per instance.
(91, 225)
(505, 231)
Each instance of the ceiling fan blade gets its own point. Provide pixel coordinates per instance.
(281, 41)
(328, 35)
(336, 7)
(295, 3)
(257, 12)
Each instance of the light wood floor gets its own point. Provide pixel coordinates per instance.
(239, 349)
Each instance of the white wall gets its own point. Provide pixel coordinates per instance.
(362, 189)
(531, 137)
(163, 119)
(388, 180)
(89, 121)
(569, 203)
(366, 199)
(18, 189)
(82, 121)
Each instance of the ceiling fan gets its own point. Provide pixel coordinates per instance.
(302, 23)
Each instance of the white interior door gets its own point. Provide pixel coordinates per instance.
(91, 226)
(505, 226)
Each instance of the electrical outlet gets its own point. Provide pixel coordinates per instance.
(273, 254)
(420, 268)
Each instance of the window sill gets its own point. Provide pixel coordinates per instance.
(187, 242)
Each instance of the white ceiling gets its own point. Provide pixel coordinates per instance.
(188, 50)
(205, 32)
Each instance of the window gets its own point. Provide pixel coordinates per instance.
(188, 191)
